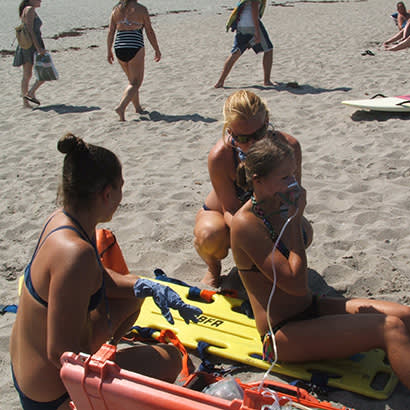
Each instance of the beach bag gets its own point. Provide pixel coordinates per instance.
(23, 37)
(44, 68)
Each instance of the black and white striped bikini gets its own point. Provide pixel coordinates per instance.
(128, 43)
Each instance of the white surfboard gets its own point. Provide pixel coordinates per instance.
(381, 103)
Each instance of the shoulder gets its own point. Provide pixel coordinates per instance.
(72, 252)
(244, 222)
(292, 141)
(115, 12)
(29, 12)
(220, 158)
(141, 8)
(220, 152)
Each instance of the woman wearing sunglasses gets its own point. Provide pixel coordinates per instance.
(246, 120)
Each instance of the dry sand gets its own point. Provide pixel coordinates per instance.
(355, 164)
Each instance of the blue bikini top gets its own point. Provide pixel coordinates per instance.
(97, 296)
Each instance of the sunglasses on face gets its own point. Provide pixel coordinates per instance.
(255, 136)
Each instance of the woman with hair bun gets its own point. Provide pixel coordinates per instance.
(69, 301)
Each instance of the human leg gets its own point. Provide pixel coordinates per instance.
(400, 46)
(27, 73)
(135, 100)
(229, 63)
(267, 47)
(338, 306)
(397, 37)
(211, 241)
(267, 67)
(160, 361)
(341, 336)
(134, 70)
(32, 92)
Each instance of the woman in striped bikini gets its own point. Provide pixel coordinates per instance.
(127, 21)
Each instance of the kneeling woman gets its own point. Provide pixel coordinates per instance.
(69, 302)
(305, 326)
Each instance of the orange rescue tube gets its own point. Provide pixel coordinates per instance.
(110, 252)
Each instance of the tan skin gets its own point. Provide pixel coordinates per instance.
(138, 17)
(400, 41)
(65, 273)
(233, 58)
(28, 16)
(403, 15)
(345, 326)
(211, 231)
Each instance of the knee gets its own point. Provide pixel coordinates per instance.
(173, 363)
(395, 329)
(134, 82)
(212, 240)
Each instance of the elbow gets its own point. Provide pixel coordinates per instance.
(54, 358)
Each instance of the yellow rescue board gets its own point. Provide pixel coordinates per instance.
(232, 335)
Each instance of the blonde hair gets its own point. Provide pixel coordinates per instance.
(242, 105)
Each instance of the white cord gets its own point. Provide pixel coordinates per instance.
(272, 292)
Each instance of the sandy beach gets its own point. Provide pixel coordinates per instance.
(356, 164)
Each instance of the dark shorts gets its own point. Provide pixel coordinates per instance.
(29, 404)
(310, 312)
(243, 40)
(126, 54)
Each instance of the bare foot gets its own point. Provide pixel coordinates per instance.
(26, 104)
(211, 279)
(270, 84)
(219, 84)
(139, 109)
(120, 113)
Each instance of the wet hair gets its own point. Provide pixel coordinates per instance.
(242, 105)
(23, 5)
(87, 170)
(263, 157)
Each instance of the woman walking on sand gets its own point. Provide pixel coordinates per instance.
(128, 19)
(25, 57)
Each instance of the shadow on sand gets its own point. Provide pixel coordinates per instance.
(67, 109)
(157, 116)
(364, 115)
(299, 89)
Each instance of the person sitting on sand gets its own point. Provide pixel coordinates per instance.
(246, 119)
(128, 19)
(25, 57)
(295, 324)
(69, 301)
(250, 33)
(402, 15)
(400, 41)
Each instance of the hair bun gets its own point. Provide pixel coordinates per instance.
(70, 143)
